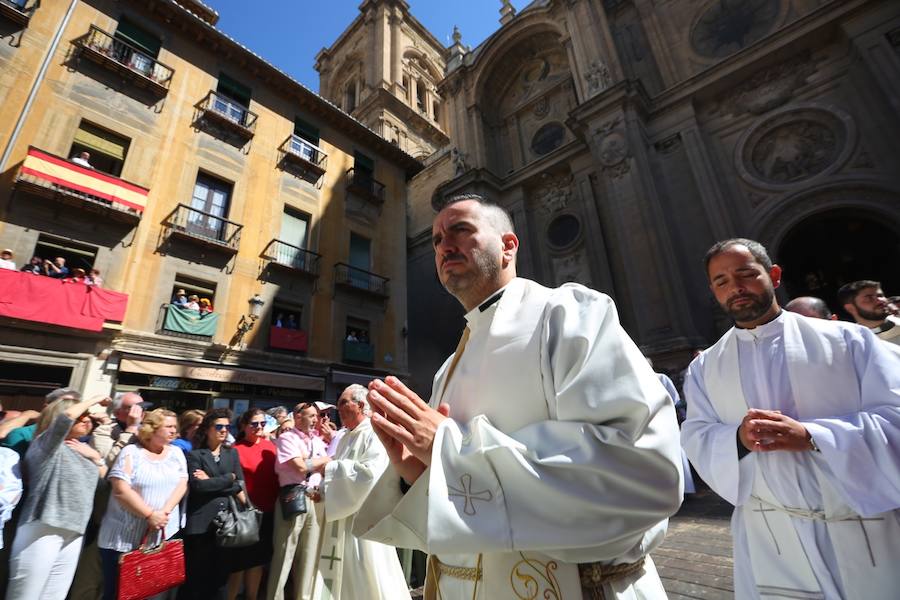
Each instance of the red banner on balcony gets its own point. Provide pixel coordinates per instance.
(55, 302)
(283, 338)
(68, 175)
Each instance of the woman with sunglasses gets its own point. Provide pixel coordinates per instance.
(257, 456)
(215, 474)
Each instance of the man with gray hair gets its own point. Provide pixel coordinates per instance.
(350, 567)
(127, 412)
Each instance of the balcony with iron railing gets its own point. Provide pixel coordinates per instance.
(65, 181)
(363, 184)
(307, 159)
(357, 279)
(186, 323)
(125, 59)
(18, 11)
(204, 228)
(287, 256)
(222, 111)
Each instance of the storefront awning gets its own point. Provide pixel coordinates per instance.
(185, 370)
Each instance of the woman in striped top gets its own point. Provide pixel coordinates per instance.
(148, 482)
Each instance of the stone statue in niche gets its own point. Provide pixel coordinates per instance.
(795, 151)
(554, 193)
(598, 77)
(612, 148)
(459, 161)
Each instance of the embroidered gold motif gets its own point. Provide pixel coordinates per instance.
(531, 579)
(467, 493)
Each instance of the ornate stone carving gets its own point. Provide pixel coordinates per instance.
(768, 88)
(572, 267)
(541, 108)
(612, 148)
(795, 145)
(554, 193)
(459, 161)
(598, 77)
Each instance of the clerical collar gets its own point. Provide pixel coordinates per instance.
(765, 330)
(487, 303)
(886, 326)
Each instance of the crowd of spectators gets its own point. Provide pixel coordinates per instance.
(55, 269)
(103, 476)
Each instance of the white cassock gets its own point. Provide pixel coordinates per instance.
(807, 524)
(562, 448)
(667, 383)
(349, 567)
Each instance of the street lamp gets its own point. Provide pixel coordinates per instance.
(248, 321)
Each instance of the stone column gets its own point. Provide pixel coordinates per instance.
(395, 20)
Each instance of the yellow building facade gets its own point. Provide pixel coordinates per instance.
(141, 141)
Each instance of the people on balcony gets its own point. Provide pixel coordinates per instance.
(78, 276)
(94, 278)
(83, 159)
(6, 260)
(206, 306)
(34, 266)
(292, 322)
(351, 336)
(193, 302)
(56, 268)
(180, 299)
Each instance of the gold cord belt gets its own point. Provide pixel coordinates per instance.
(594, 575)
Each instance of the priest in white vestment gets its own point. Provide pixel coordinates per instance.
(559, 465)
(796, 421)
(349, 567)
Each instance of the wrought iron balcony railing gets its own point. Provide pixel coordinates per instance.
(18, 11)
(292, 257)
(360, 279)
(126, 59)
(229, 113)
(207, 228)
(362, 183)
(304, 158)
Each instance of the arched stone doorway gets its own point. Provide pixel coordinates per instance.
(831, 248)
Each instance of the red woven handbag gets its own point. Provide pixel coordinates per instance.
(146, 571)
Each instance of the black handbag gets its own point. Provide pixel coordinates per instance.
(292, 499)
(236, 528)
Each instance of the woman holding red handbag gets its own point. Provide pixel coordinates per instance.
(148, 482)
(215, 475)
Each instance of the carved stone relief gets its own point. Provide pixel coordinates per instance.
(726, 27)
(572, 267)
(598, 77)
(768, 88)
(795, 145)
(554, 194)
(612, 148)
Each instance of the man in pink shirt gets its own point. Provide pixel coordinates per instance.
(301, 458)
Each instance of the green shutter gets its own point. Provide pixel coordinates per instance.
(142, 39)
(363, 163)
(308, 132)
(233, 89)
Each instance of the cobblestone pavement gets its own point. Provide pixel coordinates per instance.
(695, 559)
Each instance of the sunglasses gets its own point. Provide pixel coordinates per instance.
(257, 424)
(220, 427)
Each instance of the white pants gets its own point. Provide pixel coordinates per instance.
(42, 562)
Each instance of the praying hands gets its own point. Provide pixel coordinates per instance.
(770, 430)
(405, 424)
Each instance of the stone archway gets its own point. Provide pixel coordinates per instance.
(829, 248)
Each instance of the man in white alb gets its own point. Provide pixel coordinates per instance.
(866, 303)
(559, 465)
(349, 567)
(796, 421)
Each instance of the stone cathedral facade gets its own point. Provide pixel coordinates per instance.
(626, 136)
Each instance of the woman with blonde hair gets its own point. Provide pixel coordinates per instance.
(62, 474)
(148, 482)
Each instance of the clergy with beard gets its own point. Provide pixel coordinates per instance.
(349, 567)
(547, 462)
(796, 421)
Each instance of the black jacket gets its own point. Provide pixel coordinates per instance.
(206, 497)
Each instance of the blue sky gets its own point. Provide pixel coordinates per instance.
(289, 33)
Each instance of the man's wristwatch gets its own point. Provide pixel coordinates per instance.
(812, 445)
